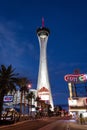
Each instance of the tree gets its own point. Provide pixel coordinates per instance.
(38, 101)
(8, 82)
(49, 110)
(23, 89)
(57, 110)
(29, 97)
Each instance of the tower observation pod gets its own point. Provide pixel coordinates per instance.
(43, 85)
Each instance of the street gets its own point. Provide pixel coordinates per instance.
(53, 123)
(64, 125)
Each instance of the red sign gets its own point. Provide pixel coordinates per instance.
(43, 89)
(76, 78)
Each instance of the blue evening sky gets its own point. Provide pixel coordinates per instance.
(67, 43)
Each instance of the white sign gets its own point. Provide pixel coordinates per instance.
(77, 101)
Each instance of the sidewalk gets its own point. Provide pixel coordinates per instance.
(77, 125)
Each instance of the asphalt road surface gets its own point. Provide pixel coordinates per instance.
(30, 124)
(64, 125)
(53, 123)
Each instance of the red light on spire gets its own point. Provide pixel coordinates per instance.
(42, 22)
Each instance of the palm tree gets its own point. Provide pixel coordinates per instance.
(38, 99)
(29, 97)
(8, 82)
(23, 89)
(40, 103)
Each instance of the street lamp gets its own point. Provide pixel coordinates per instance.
(29, 86)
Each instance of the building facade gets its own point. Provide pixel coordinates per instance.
(77, 101)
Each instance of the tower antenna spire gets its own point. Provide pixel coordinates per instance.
(42, 22)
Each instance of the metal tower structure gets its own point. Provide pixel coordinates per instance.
(43, 85)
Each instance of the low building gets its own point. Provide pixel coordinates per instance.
(77, 101)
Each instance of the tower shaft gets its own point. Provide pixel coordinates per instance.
(43, 80)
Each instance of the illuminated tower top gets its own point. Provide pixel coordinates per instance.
(43, 31)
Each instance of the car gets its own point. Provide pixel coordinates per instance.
(10, 115)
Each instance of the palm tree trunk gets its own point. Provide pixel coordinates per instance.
(24, 102)
(1, 103)
(28, 107)
(31, 106)
(16, 98)
(21, 102)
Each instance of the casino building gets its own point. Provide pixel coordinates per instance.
(77, 86)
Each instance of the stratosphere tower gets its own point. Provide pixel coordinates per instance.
(43, 84)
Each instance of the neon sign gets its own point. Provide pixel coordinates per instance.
(43, 93)
(78, 78)
(8, 98)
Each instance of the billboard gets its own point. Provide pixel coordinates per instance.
(76, 78)
(8, 98)
(77, 102)
(43, 93)
(43, 96)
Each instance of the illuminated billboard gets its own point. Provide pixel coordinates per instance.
(76, 78)
(8, 98)
(77, 102)
(44, 97)
(43, 93)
